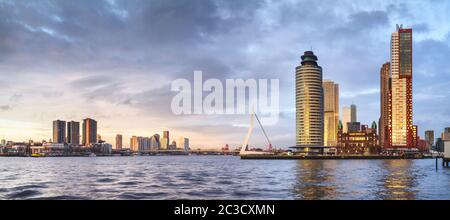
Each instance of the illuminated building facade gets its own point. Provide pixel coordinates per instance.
(402, 133)
(385, 105)
(331, 112)
(119, 141)
(89, 132)
(360, 141)
(309, 102)
(165, 141)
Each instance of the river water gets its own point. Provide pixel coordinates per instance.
(220, 177)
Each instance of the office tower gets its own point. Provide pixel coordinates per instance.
(385, 105)
(309, 102)
(155, 145)
(183, 143)
(133, 143)
(146, 143)
(346, 118)
(165, 141)
(3, 142)
(89, 132)
(164, 144)
(331, 112)
(59, 131)
(429, 138)
(353, 113)
(166, 134)
(136, 143)
(140, 144)
(118, 142)
(348, 115)
(401, 84)
(73, 133)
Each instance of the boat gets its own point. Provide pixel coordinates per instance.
(38, 155)
(92, 155)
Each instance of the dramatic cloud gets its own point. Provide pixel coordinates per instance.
(115, 60)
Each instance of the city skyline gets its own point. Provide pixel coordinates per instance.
(130, 95)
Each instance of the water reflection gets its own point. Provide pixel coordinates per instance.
(315, 180)
(398, 180)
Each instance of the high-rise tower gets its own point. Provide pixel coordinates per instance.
(348, 116)
(401, 84)
(89, 131)
(59, 131)
(73, 133)
(309, 102)
(119, 138)
(331, 112)
(385, 105)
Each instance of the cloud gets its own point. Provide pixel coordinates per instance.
(115, 60)
(360, 93)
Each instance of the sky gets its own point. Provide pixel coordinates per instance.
(114, 61)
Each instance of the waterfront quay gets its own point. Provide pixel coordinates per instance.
(88, 152)
(331, 157)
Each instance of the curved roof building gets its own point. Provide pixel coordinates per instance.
(309, 102)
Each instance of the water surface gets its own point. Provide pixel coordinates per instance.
(219, 177)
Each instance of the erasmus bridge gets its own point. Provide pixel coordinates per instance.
(244, 149)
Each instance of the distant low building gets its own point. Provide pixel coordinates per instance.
(423, 145)
(102, 148)
(360, 141)
(49, 149)
(353, 126)
(184, 143)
